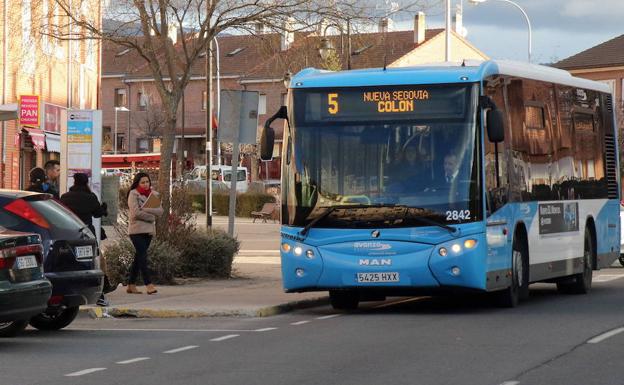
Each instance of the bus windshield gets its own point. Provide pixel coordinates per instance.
(375, 147)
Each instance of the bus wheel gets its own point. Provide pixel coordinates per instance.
(344, 299)
(581, 283)
(519, 288)
(621, 259)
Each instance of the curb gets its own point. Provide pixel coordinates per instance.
(268, 311)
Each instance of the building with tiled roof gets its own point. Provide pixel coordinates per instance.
(604, 62)
(256, 62)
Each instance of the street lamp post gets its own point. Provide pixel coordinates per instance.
(326, 48)
(526, 17)
(115, 138)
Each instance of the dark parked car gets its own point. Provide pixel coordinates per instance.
(70, 253)
(24, 291)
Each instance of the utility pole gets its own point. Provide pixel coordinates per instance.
(447, 56)
(208, 123)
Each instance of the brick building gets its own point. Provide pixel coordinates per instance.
(256, 62)
(61, 74)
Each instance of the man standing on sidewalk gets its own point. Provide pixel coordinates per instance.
(53, 172)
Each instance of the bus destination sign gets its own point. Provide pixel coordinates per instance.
(395, 101)
(383, 103)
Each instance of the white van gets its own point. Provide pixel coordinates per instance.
(222, 174)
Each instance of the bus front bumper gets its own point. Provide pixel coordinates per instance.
(388, 264)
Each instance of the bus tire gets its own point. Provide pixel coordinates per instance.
(581, 282)
(344, 299)
(519, 288)
(621, 259)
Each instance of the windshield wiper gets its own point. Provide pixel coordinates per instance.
(330, 209)
(450, 229)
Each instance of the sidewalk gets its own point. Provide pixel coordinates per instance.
(255, 289)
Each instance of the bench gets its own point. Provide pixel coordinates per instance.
(265, 213)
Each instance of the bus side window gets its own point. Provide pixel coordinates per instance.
(496, 185)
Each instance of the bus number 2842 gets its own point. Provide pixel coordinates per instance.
(455, 215)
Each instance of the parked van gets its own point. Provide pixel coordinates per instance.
(221, 174)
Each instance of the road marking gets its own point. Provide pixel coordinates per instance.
(264, 260)
(166, 330)
(265, 251)
(415, 299)
(607, 277)
(225, 337)
(606, 335)
(329, 316)
(299, 323)
(510, 383)
(83, 372)
(265, 329)
(183, 348)
(132, 360)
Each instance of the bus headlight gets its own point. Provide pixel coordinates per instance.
(310, 254)
(456, 248)
(298, 251)
(442, 251)
(286, 247)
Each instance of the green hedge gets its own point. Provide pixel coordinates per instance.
(245, 203)
(163, 259)
(199, 254)
(208, 255)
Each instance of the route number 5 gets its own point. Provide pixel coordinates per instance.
(332, 101)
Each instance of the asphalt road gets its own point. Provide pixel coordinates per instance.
(551, 339)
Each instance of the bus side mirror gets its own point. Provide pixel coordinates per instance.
(267, 138)
(495, 125)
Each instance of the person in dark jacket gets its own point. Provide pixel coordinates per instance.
(39, 184)
(85, 204)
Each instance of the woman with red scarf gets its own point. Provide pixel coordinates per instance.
(141, 228)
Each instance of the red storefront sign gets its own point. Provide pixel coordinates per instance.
(29, 110)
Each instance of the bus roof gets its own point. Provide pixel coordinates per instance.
(440, 73)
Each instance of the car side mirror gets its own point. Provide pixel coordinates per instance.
(267, 137)
(495, 125)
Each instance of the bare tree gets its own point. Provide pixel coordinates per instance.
(150, 122)
(147, 26)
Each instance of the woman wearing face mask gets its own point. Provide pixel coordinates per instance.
(141, 228)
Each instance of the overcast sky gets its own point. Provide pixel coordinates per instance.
(561, 28)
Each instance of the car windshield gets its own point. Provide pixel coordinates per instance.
(419, 153)
(240, 176)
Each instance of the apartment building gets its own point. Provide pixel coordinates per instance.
(49, 75)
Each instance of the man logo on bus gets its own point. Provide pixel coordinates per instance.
(375, 262)
(371, 246)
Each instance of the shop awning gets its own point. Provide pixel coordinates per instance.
(8, 111)
(53, 142)
(148, 160)
(37, 137)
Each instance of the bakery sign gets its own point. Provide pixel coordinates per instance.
(29, 110)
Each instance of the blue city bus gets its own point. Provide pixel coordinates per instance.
(483, 177)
